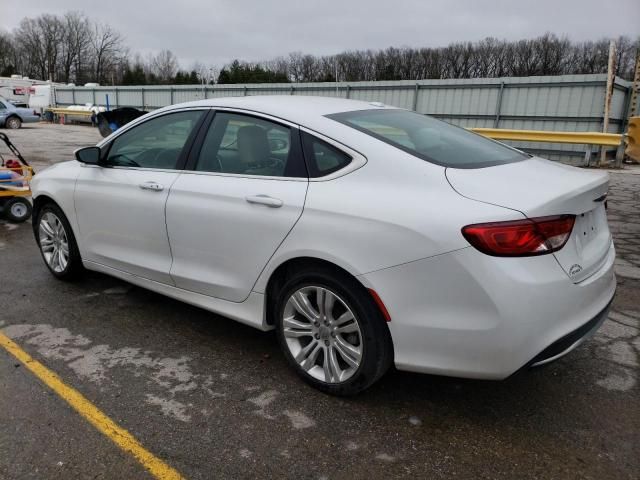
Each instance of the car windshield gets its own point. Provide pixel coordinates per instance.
(429, 139)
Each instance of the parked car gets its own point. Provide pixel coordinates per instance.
(365, 235)
(13, 117)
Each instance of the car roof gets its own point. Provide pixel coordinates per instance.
(303, 110)
(306, 111)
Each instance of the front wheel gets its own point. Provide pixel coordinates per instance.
(331, 332)
(57, 243)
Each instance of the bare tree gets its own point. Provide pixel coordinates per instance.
(7, 63)
(625, 56)
(164, 66)
(76, 40)
(279, 65)
(457, 60)
(71, 47)
(52, 31)
(29, 39)
(39, 44)
(295, 66)
(107, 49)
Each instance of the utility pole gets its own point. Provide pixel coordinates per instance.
(607, 98)
(635, 87)
(633, 105)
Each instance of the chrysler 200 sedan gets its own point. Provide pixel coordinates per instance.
(365, 235)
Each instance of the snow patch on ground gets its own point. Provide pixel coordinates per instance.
(169, 379)
(385, 457)
(170, 407)
(299, 420)
(264, 399)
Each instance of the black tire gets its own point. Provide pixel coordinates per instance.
(74, 267)
(377, 351)
(18, 209)
(13, 123)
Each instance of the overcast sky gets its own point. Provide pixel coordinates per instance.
(217, 31)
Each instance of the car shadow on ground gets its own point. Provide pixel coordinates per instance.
(530, 392)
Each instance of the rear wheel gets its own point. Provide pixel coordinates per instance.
(17, 209)
(331, 331)
(13, 123)
(57, 243)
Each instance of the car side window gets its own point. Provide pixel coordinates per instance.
(156, 143)
(247, 145)
(2, 106)
(322, 158)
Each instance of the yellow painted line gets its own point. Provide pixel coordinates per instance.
(84, 407)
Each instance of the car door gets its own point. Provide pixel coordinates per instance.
(120, 203)
(241, 194)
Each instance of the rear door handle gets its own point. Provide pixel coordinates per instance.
(265, 200)
(151, 186)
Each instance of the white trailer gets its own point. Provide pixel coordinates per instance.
(41, 97)
(19, 89)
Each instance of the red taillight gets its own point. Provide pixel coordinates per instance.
(520, 238)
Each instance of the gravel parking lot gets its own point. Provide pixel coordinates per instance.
(215, 399)
(43, 144)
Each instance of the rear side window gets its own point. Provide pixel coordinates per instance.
(430, 139)
(322, 158)
(246, 145)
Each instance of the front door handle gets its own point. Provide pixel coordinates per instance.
(265, 200)
(151, 186)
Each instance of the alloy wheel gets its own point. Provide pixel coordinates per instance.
(54, 242)
(322, 334)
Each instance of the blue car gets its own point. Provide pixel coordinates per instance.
(13, 117)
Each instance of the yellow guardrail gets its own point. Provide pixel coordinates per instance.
(588, 138)
(66, 111)
(633, 138)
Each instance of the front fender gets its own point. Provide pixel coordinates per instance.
(57, 183)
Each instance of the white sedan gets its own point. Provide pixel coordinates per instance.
(366, 235)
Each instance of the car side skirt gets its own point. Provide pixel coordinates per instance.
(250, 312)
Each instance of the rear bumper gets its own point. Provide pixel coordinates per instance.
(572, 340)
(467, 314)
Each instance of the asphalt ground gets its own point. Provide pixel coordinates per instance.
(215, 399)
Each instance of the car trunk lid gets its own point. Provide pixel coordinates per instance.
(538, 188)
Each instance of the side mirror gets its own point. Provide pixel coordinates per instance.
(88, 155)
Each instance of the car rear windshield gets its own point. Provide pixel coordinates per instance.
(432, 140)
